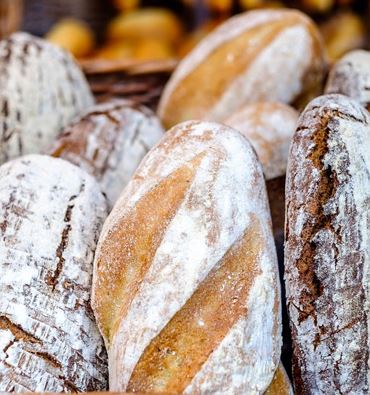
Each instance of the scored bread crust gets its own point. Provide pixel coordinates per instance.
(41, 90)
(274, 55)
(350, 76)
(185, 287)
(327, 253)
(109, 141)
(51, 215)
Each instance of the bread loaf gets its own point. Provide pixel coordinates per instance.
(185, 288)
(41, 90)
(109, 141)
(351, 77)
(269, 127)
(327, 252)
(280, 384)
(51, 214)
(273, 55)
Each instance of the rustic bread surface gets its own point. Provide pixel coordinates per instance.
(327, 252)
(186, 288)
(109, 141)
(350, 76)
(51, 216)
(273, 55)
(41, 90)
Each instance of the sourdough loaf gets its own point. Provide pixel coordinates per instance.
(274, 55)
(109, 141)
(41, 90)
(350, 76)
(185, 289)
(327, 252)
(51, 214)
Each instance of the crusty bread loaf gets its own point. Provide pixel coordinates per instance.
(327, 252)
(51, 214)
(274, 55)
(280, 384)
(109, 141)
(185, 287)
(350, 76)
(41, 90)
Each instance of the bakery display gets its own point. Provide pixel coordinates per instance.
(186, 287)
(350, 76)
(327, 247)
(233, 65)
(109, 141)
(51, 216)
(41, 90)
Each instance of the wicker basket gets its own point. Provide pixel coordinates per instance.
(10, 16)
(141, 82)
(40, 15)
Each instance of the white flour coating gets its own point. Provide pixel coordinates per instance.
(351, 77)
(51, 214)
(226, 32)
(276, 74)
(41, 90)
(115, 136)
(269, 128)
(248, 350)
(334, 340)
(226, 191)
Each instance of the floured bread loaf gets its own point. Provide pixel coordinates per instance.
(51, 214)
(186, 289)
(351, 77)
(327, 251)
(109, 141)
(273, 55)
(41, 90)
(269, 127)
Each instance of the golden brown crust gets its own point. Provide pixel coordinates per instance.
(280, 384)
(194, 197)
(197, 329)
(136, 241)
(218, 67)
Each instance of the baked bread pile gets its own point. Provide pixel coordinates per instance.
(144, 261)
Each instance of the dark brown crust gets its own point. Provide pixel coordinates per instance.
(324, 278)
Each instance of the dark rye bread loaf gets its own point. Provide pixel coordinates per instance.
(51, 213)
(327, 247)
